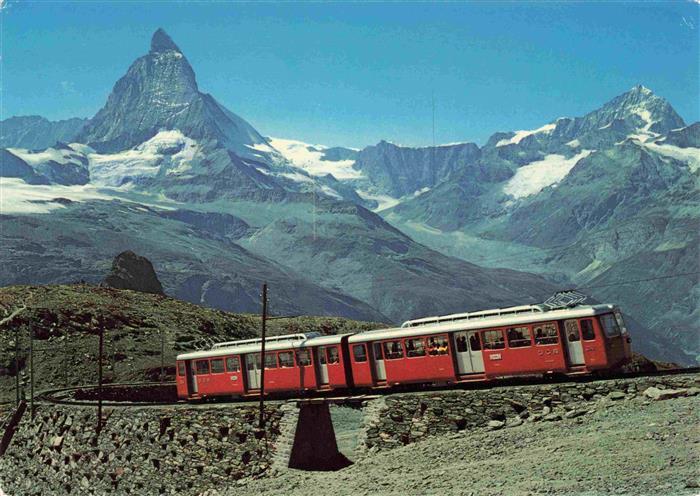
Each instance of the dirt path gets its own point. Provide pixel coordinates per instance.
(634, 447)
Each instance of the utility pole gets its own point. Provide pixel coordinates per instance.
(17, 364)
(31, 369)
(261, 422)
(162, 352)
(99, 379)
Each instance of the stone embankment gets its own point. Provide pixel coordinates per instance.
(401, 419)
(188, 449)
(171, 450)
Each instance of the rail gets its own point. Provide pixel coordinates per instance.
(62, 395)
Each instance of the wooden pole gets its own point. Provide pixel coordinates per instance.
(162, 353)
(261, 422)
(99, 380)
(31, 370)
(17, 364)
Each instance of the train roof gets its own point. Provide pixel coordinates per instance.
(274, 343)
(525, 314)
(492, 320)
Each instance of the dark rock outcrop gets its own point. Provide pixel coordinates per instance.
(131, 271)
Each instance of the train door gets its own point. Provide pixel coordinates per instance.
(191, 379)
(572, 337)
(468, 352)
(252, 362)
(378, 362)
(322, 365)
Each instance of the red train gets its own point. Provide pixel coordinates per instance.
(476, 346)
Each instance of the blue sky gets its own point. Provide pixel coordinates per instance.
(353, 73)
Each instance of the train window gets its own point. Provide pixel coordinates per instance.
(378, 355)
(322, 355)
(332, 352)
(180, 368)
(475, 342)
(415, 347)
(217, 366)
(303, 358)
(571, 330)
(620, 322)
(253, 361)
(233, 364)
(360, 353)
(393, 350)
(610, 326)
(587, 330)
(201, 367)
(546, 334)
(493, 340)
(270, 360)
(286, 359)
(461, 342)
(437, 345)
(518, 337)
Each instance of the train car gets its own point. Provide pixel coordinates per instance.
(292, 363)
(551, 338)
(531, 340)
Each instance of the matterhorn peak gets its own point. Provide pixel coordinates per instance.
(641, 90)
(161, 42)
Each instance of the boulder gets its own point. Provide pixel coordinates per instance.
(495, 424)
(664, 394)
(131, 271)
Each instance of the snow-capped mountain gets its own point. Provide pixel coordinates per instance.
(160, 92)
(175, 176)
(167, 171)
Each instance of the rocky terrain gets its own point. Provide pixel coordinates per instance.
(66, 321)
(629, 447)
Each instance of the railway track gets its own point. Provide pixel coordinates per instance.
(66, 395)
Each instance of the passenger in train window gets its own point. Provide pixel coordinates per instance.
(442, 348)
(432, 347)
(461, 343)
(518, 337)
(333, 355)
(546, 334)
(474, 342)
(415, 347)
(493, 340)
(286, 359)
(393, 350)
(571, 328)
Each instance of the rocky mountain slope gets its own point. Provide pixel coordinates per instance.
(37, 133)
(178, 178)
(592, 201)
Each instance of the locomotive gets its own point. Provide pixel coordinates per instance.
(566, 338)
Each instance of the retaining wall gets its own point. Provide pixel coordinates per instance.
(400, 419)
(172, 450)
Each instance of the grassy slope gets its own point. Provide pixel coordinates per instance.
(66, 320)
